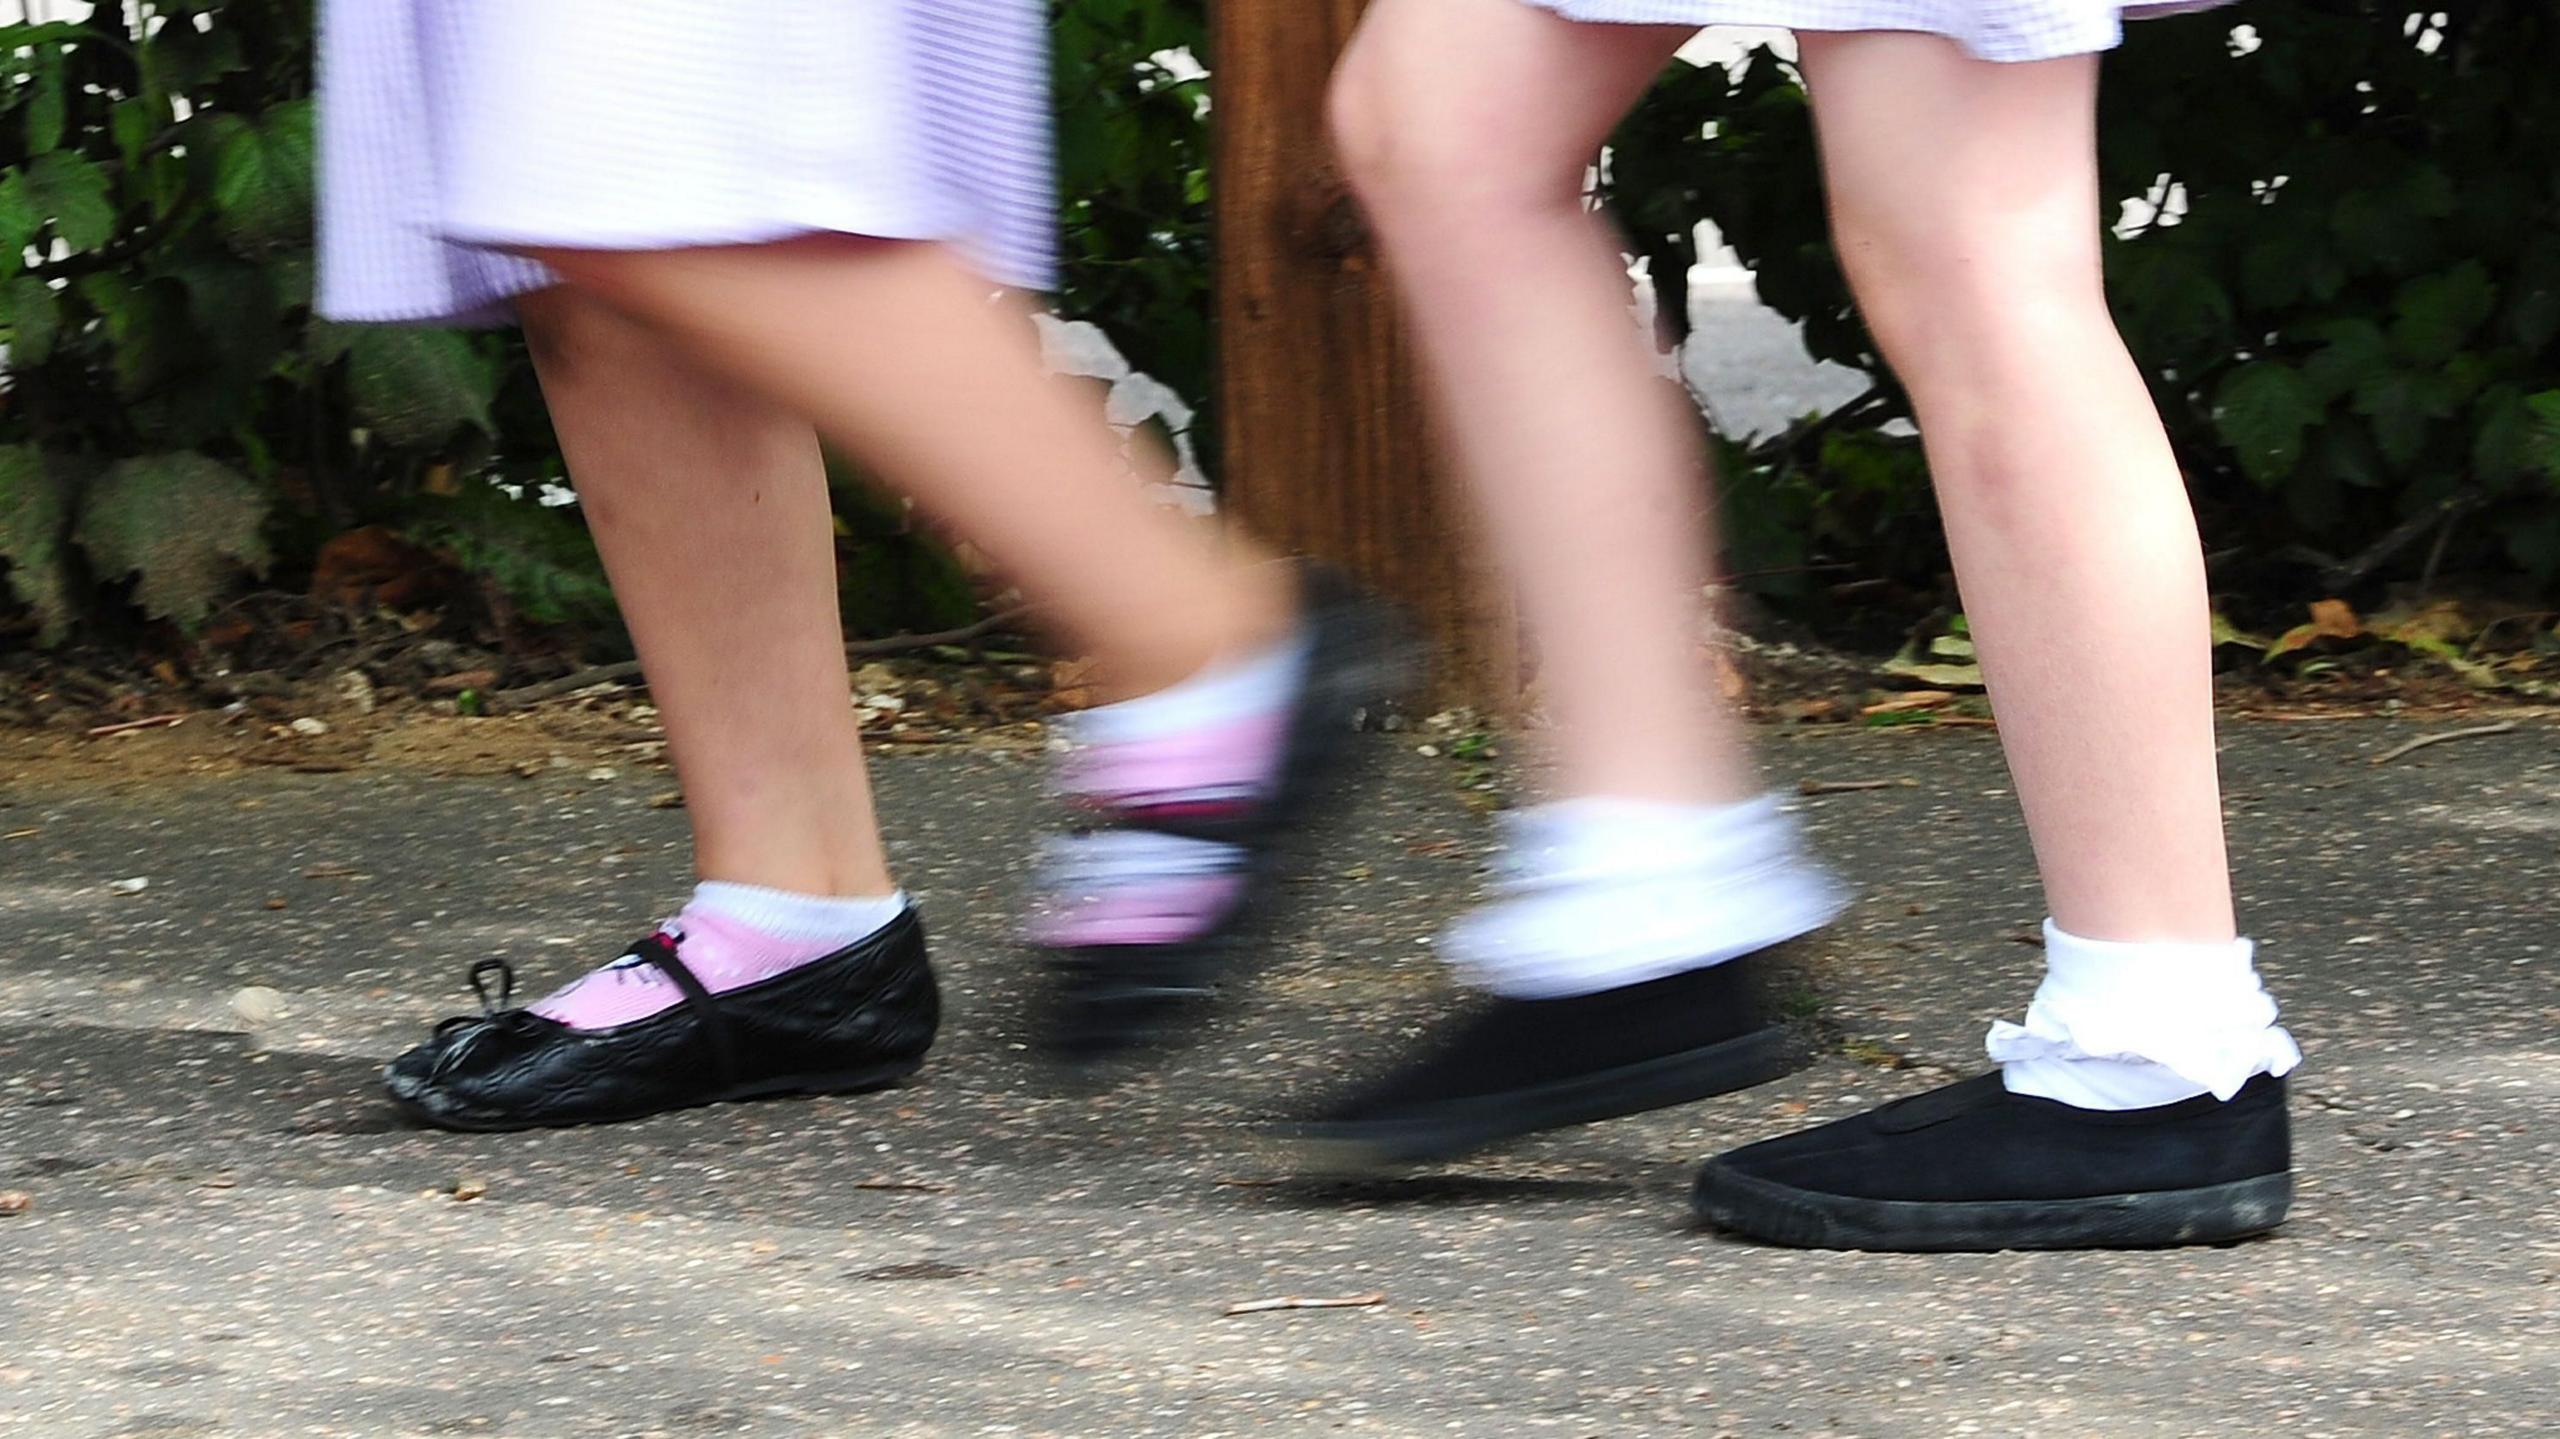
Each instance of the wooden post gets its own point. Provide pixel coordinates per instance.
(1327, 451)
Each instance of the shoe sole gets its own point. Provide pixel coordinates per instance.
(806, 1086)
(1780, 1214)
(1366, 1148)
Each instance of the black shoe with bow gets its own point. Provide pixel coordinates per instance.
(860, 1018)
(1974, 1167)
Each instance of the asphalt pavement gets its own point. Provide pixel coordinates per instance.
(228, 1233)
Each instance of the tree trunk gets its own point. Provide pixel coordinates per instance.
(1327, 452)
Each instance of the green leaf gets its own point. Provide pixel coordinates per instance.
(134, 122)
(413, 387)
(148, 323)
(186, 524)
(234, 307)
(2501, 436)
(44, 104)
(66, 189)
(2543, 450)
(20, 220)
(542, 558)
(33, 314)
(2356, 353)
(2262, 411)
(2436, 313)
(2403, 408)
(35, 514)
(262, 180)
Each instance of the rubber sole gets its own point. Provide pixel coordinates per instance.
(1780, 1214)
(799, 1086)
(1359, 1148)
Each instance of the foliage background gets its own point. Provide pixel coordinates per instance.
(2347, 313)
(2350, 325)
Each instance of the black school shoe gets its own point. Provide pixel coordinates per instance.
(1974, 1167)
(1512, 1067)
(1111, 1000)
(858, 1019)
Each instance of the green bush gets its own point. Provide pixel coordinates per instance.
(2350, 328)
(174, 420)
(174, 417)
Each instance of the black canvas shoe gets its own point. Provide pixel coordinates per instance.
(1511, 1067)
(861, 1018)
(1974, 1167)
(1110, 999)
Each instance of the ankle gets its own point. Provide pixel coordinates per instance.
(1258, 607)
(771, 861)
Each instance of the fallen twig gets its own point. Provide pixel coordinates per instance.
(858, 650)
(899, 1186)
(153, 722)
(2422, 741)
(1370, 1300)
(1852, 786)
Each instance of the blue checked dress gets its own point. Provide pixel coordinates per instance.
(453, 128)
(1991, 29)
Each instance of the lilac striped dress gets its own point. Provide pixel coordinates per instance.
(453, 128)
(1991, 29)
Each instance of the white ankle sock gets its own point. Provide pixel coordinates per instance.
(1226, 692)
(1604, 893)
(2130, 1026)
(831, 920)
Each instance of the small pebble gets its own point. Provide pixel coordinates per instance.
(259, 1004)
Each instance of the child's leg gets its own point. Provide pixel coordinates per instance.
(1236, 682)
(710, 509)
(906, 359)
(1467, 127)
(1965, 201)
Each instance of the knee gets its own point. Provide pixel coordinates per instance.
(1417, 148)
(1965, 310)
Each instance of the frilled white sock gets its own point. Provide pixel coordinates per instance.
(1604, 893)
(2131, 1026)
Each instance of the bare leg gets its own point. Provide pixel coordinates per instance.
(1964, 199)
(904, 358)
(1587, 468)
(710, 508)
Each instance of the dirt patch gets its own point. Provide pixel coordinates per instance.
(332, 727)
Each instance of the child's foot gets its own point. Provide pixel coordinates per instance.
(748, 993)
(1513, 1067)
(1976, 1167)
(1625, 957)
(2141, 1103)
(1191, 792)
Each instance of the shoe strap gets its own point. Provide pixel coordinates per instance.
(660, 952)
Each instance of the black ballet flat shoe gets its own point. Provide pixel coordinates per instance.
(1514, 1067)
(1974, 1167)
(1107, 1001)
(858, 1019)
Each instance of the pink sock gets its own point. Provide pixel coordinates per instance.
(1209, 748)
(730, 936)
